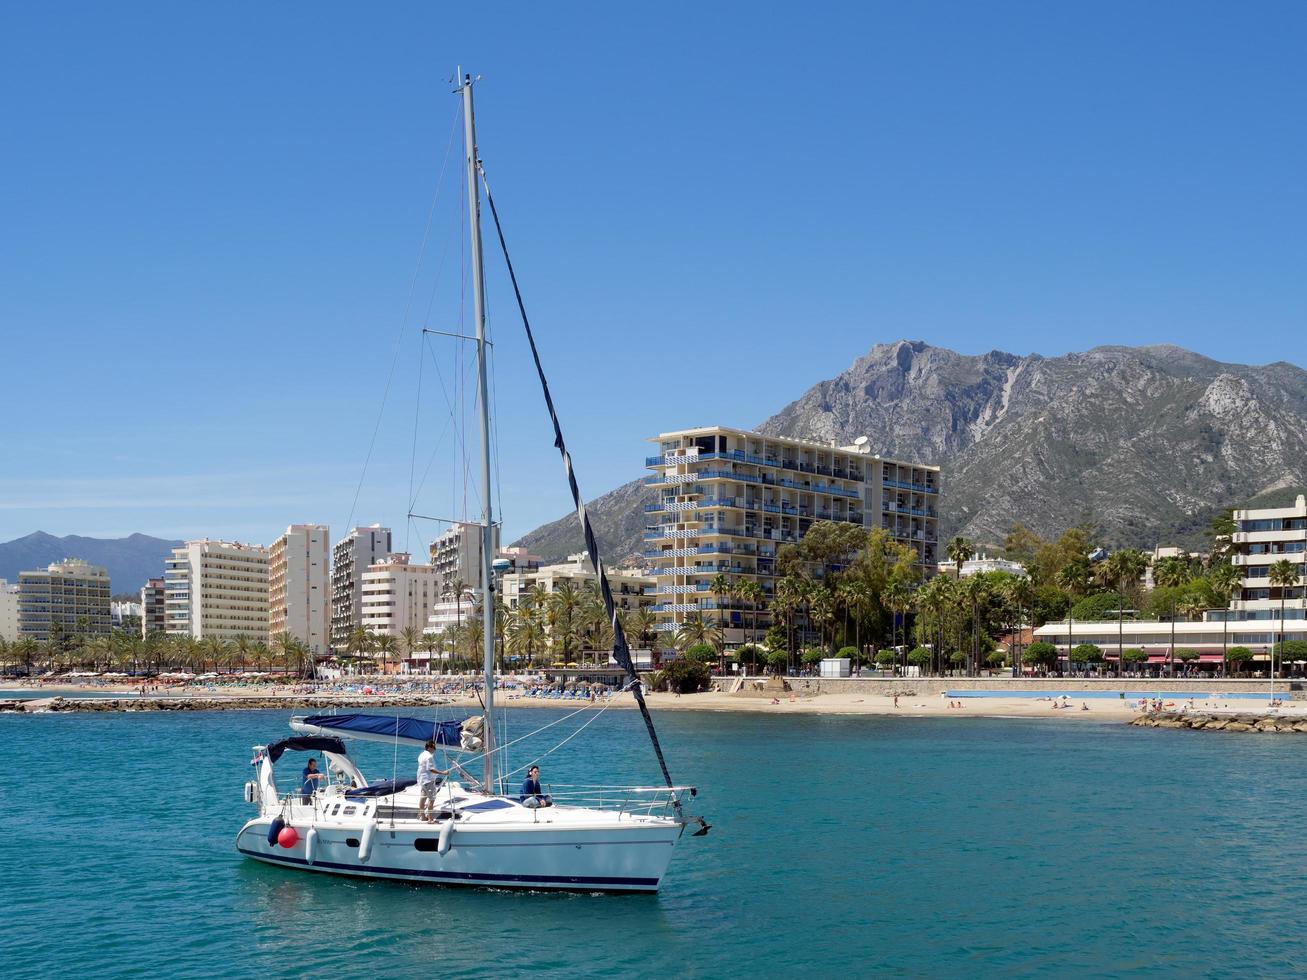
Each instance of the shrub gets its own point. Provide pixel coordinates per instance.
(996, 659)
(919, 657)
(1186, 654)
(1291, 650)
(1086, 653)
(813, 656)
(886, 658)
(957, 658)
(778, 659)
(686, 676)
(1102, 606)
(1041, 654)
(852, 654)
(1238, 655)
(1133, 655)
(702, 653)
(748, 654)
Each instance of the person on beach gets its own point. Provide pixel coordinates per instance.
(309, 780)
(531, 794)
(429, 779)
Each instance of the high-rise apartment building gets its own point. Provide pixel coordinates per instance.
(350, 558)
(398, 595)
(218, 589)
(299, 599)
(727, 499)
(1263, 537)
(8, 611)
(154, 617)
(69, 594)
(456, 554)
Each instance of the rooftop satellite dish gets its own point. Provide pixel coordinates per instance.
(860, 441)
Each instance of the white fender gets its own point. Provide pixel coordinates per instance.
(446, 833)
(365, 844)
(251, 792)
(310, 844)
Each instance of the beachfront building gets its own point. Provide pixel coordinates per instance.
(984, 563)
(124, 614)
(726, 499)
(70, 597)
(632, 588)
(456, 554)
(154, 617)
(8, 611)
(217, 589)
(1194, 558)
(398, 595)
(1263, 537)
(299, 590)
(350, 558)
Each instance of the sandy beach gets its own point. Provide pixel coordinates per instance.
(849, 703)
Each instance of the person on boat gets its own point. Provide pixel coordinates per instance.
(531, 794)
(309, 780)
(430, 776)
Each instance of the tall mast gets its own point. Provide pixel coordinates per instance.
(487, 523)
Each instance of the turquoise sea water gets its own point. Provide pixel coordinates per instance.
(839, 846)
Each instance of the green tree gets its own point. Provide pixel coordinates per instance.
(1172, 573)
(1226, 583)
(687, 676)
(703, 653)
(1041, 655)
(1282, 575)
(1236, 657)
(959, 551)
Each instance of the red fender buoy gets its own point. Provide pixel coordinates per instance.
(288, 837)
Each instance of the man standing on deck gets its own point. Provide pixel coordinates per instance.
(310, 780)
(429, 780)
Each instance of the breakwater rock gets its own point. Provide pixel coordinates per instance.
(42, 705)
(1200, 721)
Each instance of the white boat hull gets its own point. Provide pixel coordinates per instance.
(625, 856)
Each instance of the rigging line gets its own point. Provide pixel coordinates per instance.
(413, 454)
(621, 653)
(395, 359)
(459, 433)
(589, 722)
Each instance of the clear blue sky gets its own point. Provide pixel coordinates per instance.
(210, 218)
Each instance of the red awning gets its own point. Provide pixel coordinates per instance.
(1157, 658)
(1210, 658)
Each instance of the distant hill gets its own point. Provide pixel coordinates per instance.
(1144, 443)
(129, 561)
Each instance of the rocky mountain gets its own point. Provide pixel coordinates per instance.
(1144, 443)
(129, 561)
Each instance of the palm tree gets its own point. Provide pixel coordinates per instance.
(1019, 591)
(525, 633)
(384, 644)
(1172, 573)
(898, 600)
(754, 594)
(696, 629)
(959, 551)
(720, 586)
(821, 605)
(410, 641)
(1120, 570)
(457, 588)
(1283, 575)
(973, 590)
(359, 642)
(566, 600)
(430, 643)
(1226, 582)
(789, 596)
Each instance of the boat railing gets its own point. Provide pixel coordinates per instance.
(649, 801)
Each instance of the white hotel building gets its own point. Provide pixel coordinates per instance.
(727, 499)
(299, 587)
(217, 588)
(397, 595)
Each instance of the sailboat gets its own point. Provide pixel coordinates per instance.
(609, 838)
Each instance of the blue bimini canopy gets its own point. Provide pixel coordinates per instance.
(385, 728)
(305, 743)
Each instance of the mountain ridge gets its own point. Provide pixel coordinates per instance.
(130, 561)
(1145, 443)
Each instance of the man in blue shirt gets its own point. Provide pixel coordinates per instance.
(310, 779)
(532, 795)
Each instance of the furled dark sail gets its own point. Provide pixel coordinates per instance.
(621, 653)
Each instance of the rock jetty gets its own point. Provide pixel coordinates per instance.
(1199, 721)
(41, 705)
